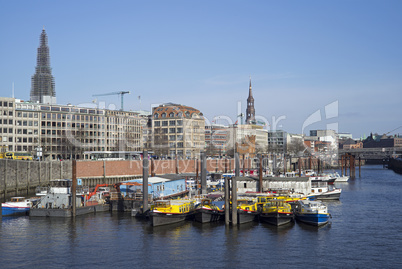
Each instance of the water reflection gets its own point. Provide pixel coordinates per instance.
(281, 230)
(313, 228)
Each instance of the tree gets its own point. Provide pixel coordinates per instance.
(296, 147)
(211, 149)
(275, 149)
(160, 144)
(260, 149)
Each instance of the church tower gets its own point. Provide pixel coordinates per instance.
(250, 111)
(42, 82)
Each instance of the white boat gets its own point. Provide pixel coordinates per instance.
(339, 178)
(321, 190)
(311, 212)
(329, 178)
(308, 172)
(16, 206)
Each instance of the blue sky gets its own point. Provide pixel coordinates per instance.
(302, 56)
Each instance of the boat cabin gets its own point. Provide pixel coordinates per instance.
(17, 199)
(173, 206)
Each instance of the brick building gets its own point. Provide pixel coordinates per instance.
(177, 130)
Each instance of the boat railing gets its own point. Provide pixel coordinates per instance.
(41, 190)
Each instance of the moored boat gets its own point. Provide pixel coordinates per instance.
(328, 178)
(339, 178)
(57, 201)
(312, 212)
(165, 212)
(16, 206)
(277, 212)
(322, 191)
(246, 212)
(208, 212)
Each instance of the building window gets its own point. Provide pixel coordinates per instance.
(171, 114)
(164, 115)
(172, 130)
(165, 123)
(172, 123)
(156, 115)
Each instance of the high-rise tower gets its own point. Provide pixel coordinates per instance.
(250, 111)
(42, 82)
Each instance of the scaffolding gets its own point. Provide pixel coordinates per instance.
(42, 82)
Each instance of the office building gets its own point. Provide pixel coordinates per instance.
(177, 130)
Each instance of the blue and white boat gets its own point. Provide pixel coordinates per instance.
(311, 212)
(17, 206)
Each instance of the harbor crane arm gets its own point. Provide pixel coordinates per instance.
(121, 93)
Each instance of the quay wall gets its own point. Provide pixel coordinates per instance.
(396, 165)
(22, 177)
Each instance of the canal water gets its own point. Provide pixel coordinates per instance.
(365, 232)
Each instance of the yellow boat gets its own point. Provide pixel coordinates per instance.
(206, 211)
(277, 212)
(247, 211)
(171, 211)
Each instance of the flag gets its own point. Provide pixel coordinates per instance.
(236, 121)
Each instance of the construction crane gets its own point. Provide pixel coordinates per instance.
(393, 130)
(122, 93)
